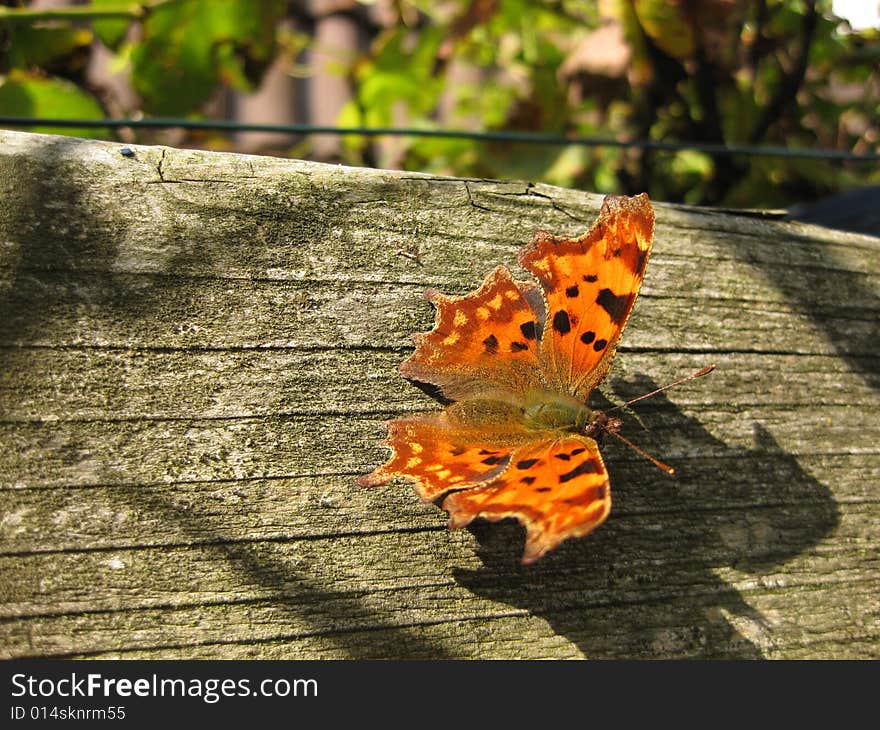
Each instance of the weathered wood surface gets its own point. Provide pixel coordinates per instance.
(197, 351)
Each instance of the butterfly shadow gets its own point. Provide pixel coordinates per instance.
(654, 580)
(839, 300)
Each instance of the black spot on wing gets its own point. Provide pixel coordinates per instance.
(494, 460)
(561, 322)
(572, 291)
(542, 489)
(491, 344)
(588, 336)
(458, 451)
(563, 457)
(518, 346)
(599, 345)
(590, 278)
(526, 463)
(528, 480)
(589, 466)
(640, 261)
(617, 305)
(528, 330)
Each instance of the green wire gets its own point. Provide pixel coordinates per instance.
(499, 136)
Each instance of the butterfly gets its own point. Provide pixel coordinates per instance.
(518, 360)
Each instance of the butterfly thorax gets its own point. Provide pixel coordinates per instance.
(554, 412)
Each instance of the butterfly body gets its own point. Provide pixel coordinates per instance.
(556, 412)
(519, 360)
(549, 411)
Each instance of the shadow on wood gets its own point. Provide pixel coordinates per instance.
(839, 298)
(682, 531)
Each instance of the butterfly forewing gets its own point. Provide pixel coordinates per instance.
(590, 285)
(482, 344)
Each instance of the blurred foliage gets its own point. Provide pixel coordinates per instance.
(187, 48)
(735, 72)
(728, 72)
(176, 54)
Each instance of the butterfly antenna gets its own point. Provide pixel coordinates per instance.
(656, 462)
(699, 374)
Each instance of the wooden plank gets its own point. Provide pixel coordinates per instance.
(85, 453)
(197, 351)
(257, 579)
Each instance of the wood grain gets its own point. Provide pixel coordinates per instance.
(198, 350)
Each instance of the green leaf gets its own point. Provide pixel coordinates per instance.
(111, 31)
(192, 46)
(31, 46)
(662, 21)
(27, 95)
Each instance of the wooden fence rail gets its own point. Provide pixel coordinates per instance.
(198, 350)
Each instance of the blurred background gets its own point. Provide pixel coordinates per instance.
(760, 103)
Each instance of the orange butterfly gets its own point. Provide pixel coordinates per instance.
(520, 360)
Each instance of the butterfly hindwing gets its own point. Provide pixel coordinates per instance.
(465, 445)
(558, 488)
(590, 285)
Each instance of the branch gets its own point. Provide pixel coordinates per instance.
(76, 12)
(755, 52)
(792, 81)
